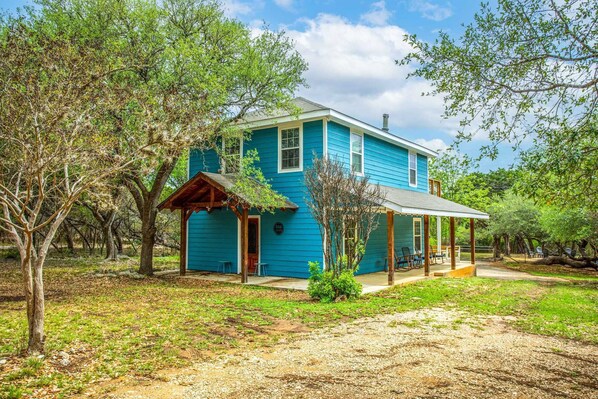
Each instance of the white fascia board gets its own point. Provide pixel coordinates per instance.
(344, 120)
(381, 134)
(419, 211)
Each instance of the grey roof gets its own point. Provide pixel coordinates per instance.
(303, 104)
(418, 203)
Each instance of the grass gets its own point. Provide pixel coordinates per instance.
(111, 327)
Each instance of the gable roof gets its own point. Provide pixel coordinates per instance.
(309, 110)
(211, 190)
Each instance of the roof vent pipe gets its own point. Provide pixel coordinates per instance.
(385, 122)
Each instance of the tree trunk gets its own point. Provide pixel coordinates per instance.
(496, 244)
(565, 260)
(68, 236)
(36, 318)
(148, 239)
(118, 239)
(507, 245)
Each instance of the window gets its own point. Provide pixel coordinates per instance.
(357, 153)
(417, 234)
(290, 157)
(231, 155)
(412, 168)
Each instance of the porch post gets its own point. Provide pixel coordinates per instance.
(390, 235)
(438, 234)
(183, 249)
(426, 245)
(472, 239)
(244, 245)
(453, 260)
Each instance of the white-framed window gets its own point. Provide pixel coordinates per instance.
(357, 153)
(417, 234)
(232, 148)
(412, 168)
(290, 149)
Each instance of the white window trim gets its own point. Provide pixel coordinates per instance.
(280, 129)
(223, 158)
(409, 168)
(420, 234)
(360, 173)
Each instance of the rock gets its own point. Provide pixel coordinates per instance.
(3, 361)
(65, 358)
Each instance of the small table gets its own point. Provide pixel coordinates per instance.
(224, 264)
(260, 268)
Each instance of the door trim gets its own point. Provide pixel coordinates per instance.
(259, 240)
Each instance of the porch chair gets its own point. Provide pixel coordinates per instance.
(402, 264)
(415, 260)
(435, 255)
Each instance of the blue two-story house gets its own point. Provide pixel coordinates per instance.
(221, 234)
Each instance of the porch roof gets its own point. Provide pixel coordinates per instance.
(211, 190)
(418, 203)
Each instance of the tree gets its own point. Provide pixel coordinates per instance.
(527, 68)
(346, 208)
(202, 72)
(55, 142)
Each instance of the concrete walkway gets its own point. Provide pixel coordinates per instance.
(487, 269)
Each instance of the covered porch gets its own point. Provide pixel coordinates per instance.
(407, 202)
(371, 282)
(206, 192)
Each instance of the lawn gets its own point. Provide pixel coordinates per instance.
(529, 266)
(102, 328)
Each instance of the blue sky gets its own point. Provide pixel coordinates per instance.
(351, 47)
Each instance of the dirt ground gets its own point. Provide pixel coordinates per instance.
(431, 353)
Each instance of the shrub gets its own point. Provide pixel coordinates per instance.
(327, 287)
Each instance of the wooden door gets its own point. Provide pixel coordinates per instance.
(253, 243)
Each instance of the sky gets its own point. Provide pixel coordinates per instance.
(351, 47)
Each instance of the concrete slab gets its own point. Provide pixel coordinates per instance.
(372, 282)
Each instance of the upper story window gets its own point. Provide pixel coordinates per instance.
(357, 153)
(412, 168)
(231, 154)
(290, 154)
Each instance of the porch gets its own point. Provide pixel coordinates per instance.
(372, 282)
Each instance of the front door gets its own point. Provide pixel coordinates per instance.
(253, 243)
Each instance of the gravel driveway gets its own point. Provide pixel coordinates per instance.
(431, 353)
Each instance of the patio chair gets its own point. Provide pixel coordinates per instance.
(437, 255)
(402, 264)
(415, 260)
(539, 252)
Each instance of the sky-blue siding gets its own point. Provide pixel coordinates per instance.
(214, 237)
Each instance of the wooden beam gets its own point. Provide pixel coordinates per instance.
(212, 194)
(183, 250)
(236, 212)
(211, 204)
(390, 236)
(245, 246)
(426, 245)
(453, 260)
(472, 239)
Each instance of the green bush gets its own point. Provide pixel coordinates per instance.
(327, 287)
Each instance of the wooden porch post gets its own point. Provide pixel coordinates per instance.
(453, 260)
(183, 250)
(390, 234)
(426, 245)
(244, 245)
(472, 239)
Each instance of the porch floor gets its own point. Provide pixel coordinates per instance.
(372, 282)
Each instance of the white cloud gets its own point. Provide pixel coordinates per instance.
(378, 14)
(433, 144)
(353, 70)
(235, 8)
(431, 10)
(286, 4)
